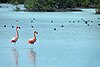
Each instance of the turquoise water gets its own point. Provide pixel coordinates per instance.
(74, 45)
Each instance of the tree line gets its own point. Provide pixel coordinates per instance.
(53, 5)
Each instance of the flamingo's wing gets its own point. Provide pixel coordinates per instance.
(14, 38)
(31, 39)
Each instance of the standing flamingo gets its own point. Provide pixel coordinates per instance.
(14, 39)
(33, 40)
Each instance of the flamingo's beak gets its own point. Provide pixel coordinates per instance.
(19, 27)
(36, 32)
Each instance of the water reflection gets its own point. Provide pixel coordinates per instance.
(32, 56)
(15, 54)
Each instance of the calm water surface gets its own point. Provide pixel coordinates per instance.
(74, 45)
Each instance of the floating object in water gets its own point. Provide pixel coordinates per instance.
(81, 18)
(91, 21)
(73, 21)
(16, 20)
(14, 39)
(69, 21)
(86, 22)
(88, 25)
(52, 21)
(78, 21)
(62, 26)
(5, 26)
(32, 26)
(12, 26)
(33, 40)
(98, 18)
(54, 28)
(98, 24)
(31, 20)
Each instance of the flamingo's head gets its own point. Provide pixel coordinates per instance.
(17, 27)
(35, 32)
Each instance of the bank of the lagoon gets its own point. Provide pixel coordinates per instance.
(73, 43)
(21, 7)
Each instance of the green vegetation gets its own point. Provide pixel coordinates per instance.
(97, 2)
(30, 4)
(55, 5)
(98, 9)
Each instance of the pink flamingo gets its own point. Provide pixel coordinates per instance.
(33, 40)
(14, 39)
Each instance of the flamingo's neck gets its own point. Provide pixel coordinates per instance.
(17, 35)
(34, 35)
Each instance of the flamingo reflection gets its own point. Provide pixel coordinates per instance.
(15, 54)
(32, 56)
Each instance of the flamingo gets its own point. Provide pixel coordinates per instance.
(14, 39)
(33, 40)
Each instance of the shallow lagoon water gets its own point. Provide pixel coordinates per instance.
(74, 45)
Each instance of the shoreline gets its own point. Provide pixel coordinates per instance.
(21, 7)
